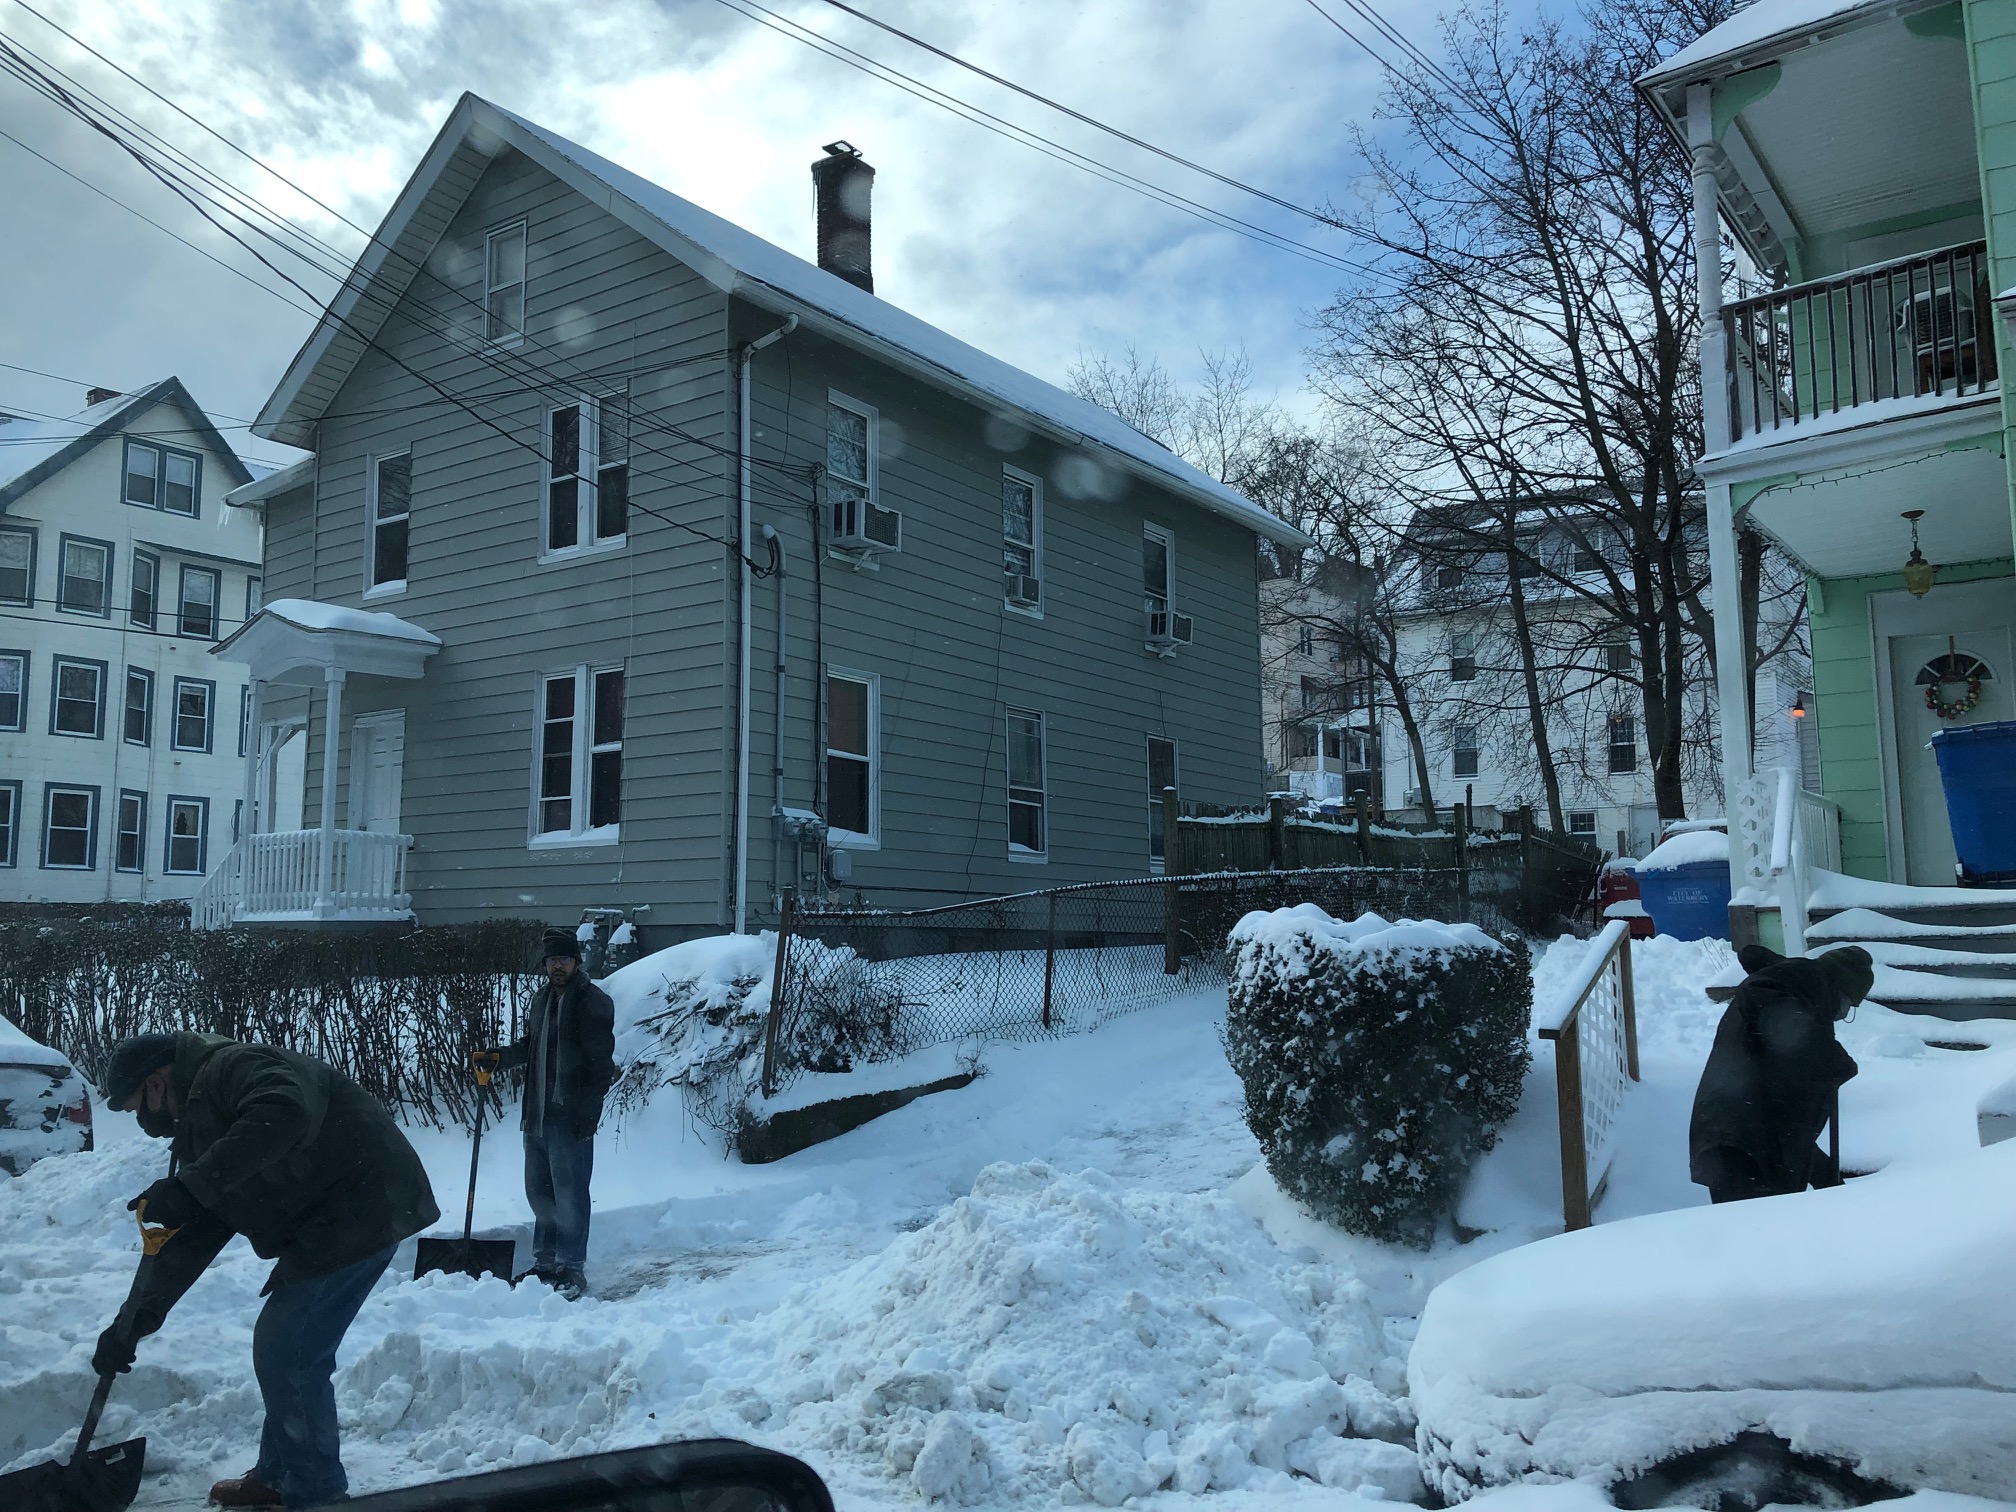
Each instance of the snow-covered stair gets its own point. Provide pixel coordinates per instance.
(1948, 952)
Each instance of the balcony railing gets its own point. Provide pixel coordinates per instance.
(279, 876)
(1910, 329)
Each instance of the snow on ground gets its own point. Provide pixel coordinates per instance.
(1047, 1287)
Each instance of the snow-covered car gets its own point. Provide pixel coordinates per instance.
(1857, 1337)
(45, 1106)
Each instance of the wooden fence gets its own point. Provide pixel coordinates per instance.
(1593, 1024)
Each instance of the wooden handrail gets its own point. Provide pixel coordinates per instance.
(1562, 1025)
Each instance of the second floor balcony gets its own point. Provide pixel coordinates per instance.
(1880, 342)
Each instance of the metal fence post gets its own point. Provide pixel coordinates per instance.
(773, 1024)
(1361, 803)
(1574, 1143)
(1049, 957)
(1459, 823)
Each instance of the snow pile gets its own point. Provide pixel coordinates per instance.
(1060, 1337)
(1293, 932)
(691, 1016)
(1849, 1322)
(1687, 848)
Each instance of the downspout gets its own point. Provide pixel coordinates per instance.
(744, 484)
(776, 544)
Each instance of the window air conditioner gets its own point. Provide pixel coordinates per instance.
(1023, 590)
(1167, 631)
(863, 525)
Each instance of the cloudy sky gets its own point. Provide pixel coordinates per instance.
(996, 242)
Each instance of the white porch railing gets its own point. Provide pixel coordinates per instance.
(1781, 834)
(1594, 1026)
(279, 876)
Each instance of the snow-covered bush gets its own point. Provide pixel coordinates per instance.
(1378, 1059)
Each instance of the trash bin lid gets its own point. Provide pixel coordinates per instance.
(1994, 729)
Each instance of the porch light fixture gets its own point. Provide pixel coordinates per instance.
(1917, 571)
(1799, 706)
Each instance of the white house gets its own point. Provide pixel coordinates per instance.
(121, 737)
(1318, 703)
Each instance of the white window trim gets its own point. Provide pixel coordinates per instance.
(587, 490)
(1157, 865)
(871, 560)
(1162, 533)
(584, 720)
(391, 588)
(842, 839)
(1016, 853)
(1035, 483)
(517, 337)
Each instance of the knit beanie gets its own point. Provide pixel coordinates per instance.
(131, 1062)
(1852, 971)
(560, 942)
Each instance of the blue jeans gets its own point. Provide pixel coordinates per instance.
(294, 1356)
(558, 1167)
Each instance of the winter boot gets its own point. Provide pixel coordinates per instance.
(570, 1283)
(543, 1273)
(246, 1491)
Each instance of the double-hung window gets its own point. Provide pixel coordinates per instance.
(139, 724)
(77, 698)
(1028, 837)
(10, 823)
(253, 588)
(196, 604)
(1617, 655)
(391, 489)
(1161, 776)
(504, 285)
(1158, 577)
(13, 690)
(1463, 656)
(853, 741)
(1582, 822)
(84, 583)
(1022, 539)
(1463, 751)
(1623, 744)
(579, 777)
(130, 854)
(160, 477)
(1305, 642)
(195, 708)
(17, 568)
(587, 491)
(144, 601)
(850, 465)
(188, 837)
(69, 827)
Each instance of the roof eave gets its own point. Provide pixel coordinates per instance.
(169, 390)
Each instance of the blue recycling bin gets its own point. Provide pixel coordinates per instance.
(1689, 901)
(1977, 768)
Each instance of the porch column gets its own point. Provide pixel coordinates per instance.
(1731, 654)
(332, 724)
(255, 761)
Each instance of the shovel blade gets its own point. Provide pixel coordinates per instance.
(104, 1480)
(471, 1257)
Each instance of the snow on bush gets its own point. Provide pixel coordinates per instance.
(1048, 1337)
(694, 1015)
(1378, 1059)
(1854, 1323)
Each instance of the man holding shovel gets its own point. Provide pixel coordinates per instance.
(569, 1055)
(306, 1165)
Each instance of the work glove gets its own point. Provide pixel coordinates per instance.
(115, 1352)
(485, 1060)
(169, 1204)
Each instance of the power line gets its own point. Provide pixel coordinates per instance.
(1049, 147)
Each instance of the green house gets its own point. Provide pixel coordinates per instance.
(1861, 157)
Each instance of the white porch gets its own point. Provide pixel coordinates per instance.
(322, 874)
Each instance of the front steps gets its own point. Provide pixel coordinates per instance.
(1946, 952)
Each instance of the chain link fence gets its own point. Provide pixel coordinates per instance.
(1043, 964)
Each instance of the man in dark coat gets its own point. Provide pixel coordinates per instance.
(1773, 1075)
(306, 1165)
(569, 1056)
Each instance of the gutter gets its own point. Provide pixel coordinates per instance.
(744, 482)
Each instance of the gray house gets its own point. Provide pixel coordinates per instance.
(643, 565)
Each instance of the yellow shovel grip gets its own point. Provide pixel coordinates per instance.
(152, 1239)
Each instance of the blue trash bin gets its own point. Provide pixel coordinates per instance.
(1977, 768)
(1687, 891)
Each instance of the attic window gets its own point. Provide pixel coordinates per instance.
(504, 284)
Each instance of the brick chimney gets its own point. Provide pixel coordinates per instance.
(99, 396)
(843, 182)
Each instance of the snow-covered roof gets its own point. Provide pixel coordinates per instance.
(1764, 27)
(311, 614)
(34, 450)
(277, 481)
(739, 263)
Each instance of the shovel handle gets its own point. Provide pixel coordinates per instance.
(91, 1418)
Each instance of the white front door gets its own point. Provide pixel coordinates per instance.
(377, 769)
(1961, 630)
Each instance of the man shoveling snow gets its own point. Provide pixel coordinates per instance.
(306, 1165)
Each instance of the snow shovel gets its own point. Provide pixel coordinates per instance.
(467, 1256)
(92, 1480)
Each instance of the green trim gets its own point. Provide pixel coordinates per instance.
(1816, 594)
(1743, 495)
(1944, 21)
(1739, 92)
